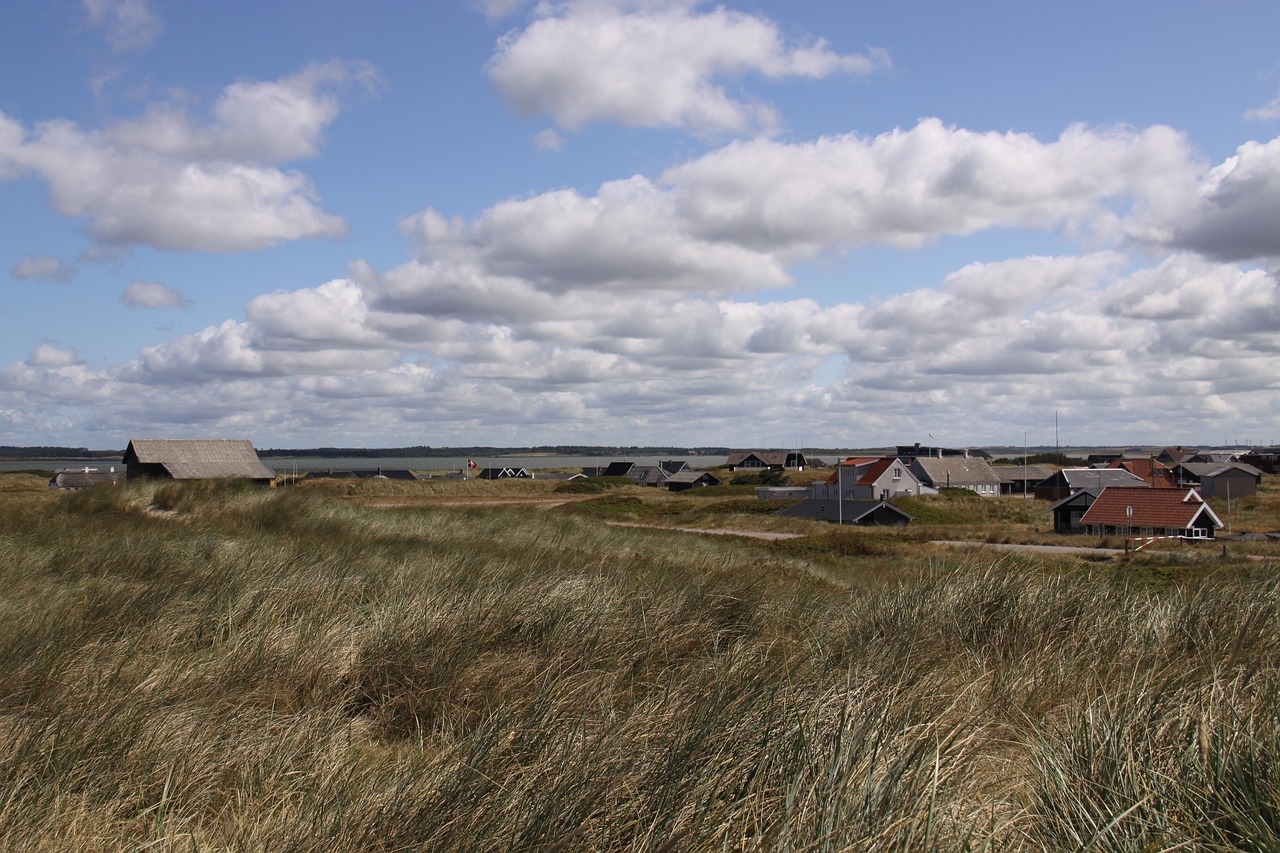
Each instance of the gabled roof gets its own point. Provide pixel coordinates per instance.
(1214, 469)
(956, 471)
(618, 469)
(1154, 508)
(852, 512)
(199, 458)
(1083, 497)
(1147, 469)
(776, 458)
(1017, 474)
(859, 464)
(647, 475)
(689, 475)
(1100, 478)
(1176, 454)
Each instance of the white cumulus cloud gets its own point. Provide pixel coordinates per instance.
(173, 181)
(654, 64)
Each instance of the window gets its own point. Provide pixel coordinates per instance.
(897, 473)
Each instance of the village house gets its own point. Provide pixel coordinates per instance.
(1148, 512)
(870, 478)
(1214, 480)
(1068, 481)
(1021, 479)
(956, 472)
(195, 459)
(505, 474)
(767, 460)
(1068, 512)
(1150, 471)
(688, 478)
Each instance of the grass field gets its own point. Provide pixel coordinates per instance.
(204, 666)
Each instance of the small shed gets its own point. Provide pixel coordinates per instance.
(195, 459)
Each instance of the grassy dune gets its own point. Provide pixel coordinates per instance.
(203, 666)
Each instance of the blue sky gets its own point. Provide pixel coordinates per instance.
(639, 222)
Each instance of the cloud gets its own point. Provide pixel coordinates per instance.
(654, 64)
(152, 294)
(639, 309)
(906, 187)
(42, 268)
(1233, 212)
(737, 219)
(46, 355)
(548, 140)
(126, 24)
(172, 181)
(1269, 112)
(496, 9)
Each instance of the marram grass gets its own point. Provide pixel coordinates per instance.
(207, 667)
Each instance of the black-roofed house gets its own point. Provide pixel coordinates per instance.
(1021, 479)
(1068, 512)
(195, 459)
(505, 474)
(1068, 481)
(766, 460)
(863, 513)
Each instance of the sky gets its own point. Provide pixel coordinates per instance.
(640, 222)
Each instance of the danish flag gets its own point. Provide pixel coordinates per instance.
(471, 464)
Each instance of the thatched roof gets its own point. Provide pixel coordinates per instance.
(199, 458)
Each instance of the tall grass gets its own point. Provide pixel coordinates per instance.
(194, 667)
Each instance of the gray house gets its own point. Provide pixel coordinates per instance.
(957, 472)
(872, 478)
(195, 459)
(1213, 479)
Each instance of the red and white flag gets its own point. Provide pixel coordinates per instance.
(471, 464)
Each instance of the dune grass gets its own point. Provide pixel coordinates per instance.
(196, 666)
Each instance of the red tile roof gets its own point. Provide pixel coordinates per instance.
(1155, 473)
(874, 470)
(852, 462)
(1154, 508)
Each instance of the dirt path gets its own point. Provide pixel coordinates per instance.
(1032, 549)
(713, 531)
(539, 503)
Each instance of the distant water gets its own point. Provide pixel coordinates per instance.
(440, 464)
(447, 464)
(59, 464)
